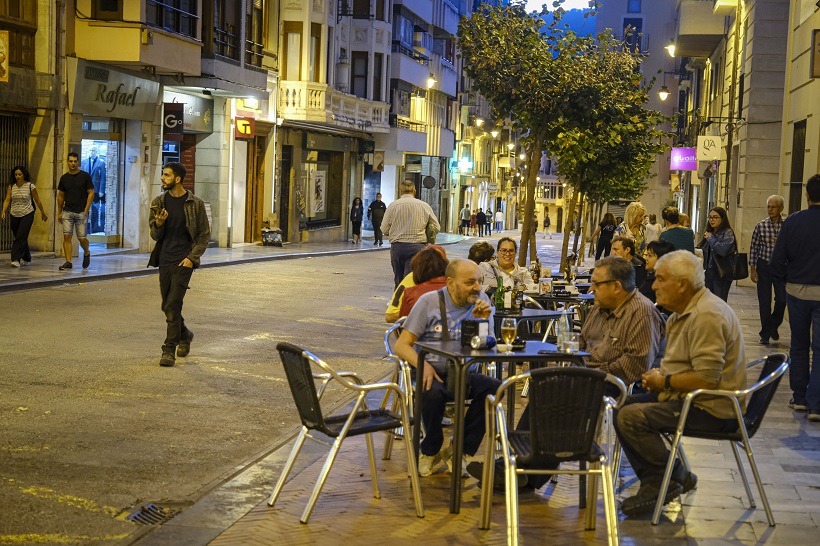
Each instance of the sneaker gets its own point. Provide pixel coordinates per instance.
(814, 415)
(15, 263)
(167, 360)
(428, 463)
(86, 260)
(67, 265)
(644, 501)
(797, 406)
(185, 346)
(446, 422)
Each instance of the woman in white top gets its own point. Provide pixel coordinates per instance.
(20, 199)
(504, 266)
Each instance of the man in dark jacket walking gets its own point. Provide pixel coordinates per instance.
(481, 220)
(375, 213)
(180, 227)
(796, 260)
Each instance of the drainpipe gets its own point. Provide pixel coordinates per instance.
(730, 126)
(59, 114)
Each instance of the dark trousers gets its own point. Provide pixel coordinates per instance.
(377, 230)
(638, 423)
(400, 256)
(96, 218)
(770, 320)
(173, 284)
(716, 285)
(603, 247)
(432, 411)
(804, 377)
(21, 227)
(489, 228)
(481, 230)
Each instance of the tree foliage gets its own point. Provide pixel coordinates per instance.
(581, 98)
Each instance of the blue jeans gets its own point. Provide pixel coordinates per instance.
(804, 379)
(74, 222)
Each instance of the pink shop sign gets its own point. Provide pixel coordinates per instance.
(684, 159)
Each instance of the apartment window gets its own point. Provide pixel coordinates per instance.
(633, 6)
(381, 13)
(361, 9)
(378, 60)
(178, 16)
(22, 16)
(292, 51)
(359, 74)
(403, 31)
(254, 23)
(449, 51)
(107, 10)
(633, 33)
(315, 52)
(798, 166)
(226, 28)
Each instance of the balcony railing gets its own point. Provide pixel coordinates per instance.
(226, 42)
(253, 53)
(398, 47)
(164, 14)
(404, 123)
(310, 101)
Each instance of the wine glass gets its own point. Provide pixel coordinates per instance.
(508, 331)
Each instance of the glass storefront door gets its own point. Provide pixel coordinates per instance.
(100, 157)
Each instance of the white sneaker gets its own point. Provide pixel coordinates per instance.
(15, 264)
(24, 262)
(428, 463)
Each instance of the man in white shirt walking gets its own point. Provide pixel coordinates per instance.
(405, 225)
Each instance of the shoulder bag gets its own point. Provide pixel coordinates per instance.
(733, 267)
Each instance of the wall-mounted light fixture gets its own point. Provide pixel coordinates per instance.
(479, 122)
(670, 48)
(494, 132)
(431, 81)
(510, 146)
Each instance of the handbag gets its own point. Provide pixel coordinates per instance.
(733, 267)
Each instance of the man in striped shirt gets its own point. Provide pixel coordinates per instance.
(764, 237)
(405, 225)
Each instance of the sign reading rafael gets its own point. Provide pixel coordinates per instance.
(116, 97)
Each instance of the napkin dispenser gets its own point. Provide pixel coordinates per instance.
(473, 327)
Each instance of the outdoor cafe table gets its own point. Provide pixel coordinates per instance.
(461, 358)
(585, 301)
(526, 315)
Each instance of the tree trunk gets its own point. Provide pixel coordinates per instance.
(568, 228)
(527, 243)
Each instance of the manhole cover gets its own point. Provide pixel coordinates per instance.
(153, 514)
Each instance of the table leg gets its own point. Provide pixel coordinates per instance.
(458, 436)
(417, 407)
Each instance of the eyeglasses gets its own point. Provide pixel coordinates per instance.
(714, 217)
(507, 251)
(596, 284)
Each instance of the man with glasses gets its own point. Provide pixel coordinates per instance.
(624, 331)
(764, 237)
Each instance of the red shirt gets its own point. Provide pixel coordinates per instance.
(412, 294)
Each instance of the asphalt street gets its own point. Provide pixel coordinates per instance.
(93, 428)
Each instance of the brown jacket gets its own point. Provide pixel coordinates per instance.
(196, 221)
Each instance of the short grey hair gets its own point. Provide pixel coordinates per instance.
(682, 264)
(619, 270)
(779, 199)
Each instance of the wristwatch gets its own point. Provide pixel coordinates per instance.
(667, 383)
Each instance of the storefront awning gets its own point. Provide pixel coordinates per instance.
(327, 129)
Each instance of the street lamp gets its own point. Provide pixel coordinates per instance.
(431, 81)
(494, 132)
(670, 48)
(479, 122)
(510, 146)
(663, 94)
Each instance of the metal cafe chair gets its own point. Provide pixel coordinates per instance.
(569, 414)
(402, 376)
(298, 369)
(748, 423)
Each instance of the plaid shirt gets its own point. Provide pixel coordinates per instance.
(764, 237)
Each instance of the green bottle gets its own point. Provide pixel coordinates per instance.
(499, 295)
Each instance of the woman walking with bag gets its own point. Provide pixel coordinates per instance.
(356, 215)
(719, 247)
(21, 199)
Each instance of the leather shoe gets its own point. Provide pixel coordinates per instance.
(775, 336)
(644, 501)
(476, 470)
(184, 347)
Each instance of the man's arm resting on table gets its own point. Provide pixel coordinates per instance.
(404, 350)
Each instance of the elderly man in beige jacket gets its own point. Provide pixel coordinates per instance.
(704, 351)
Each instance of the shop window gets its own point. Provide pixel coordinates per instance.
(254, 24)
(359, 77)
(178, 16)
(292, 51)
(322, 183)
(378, 60)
